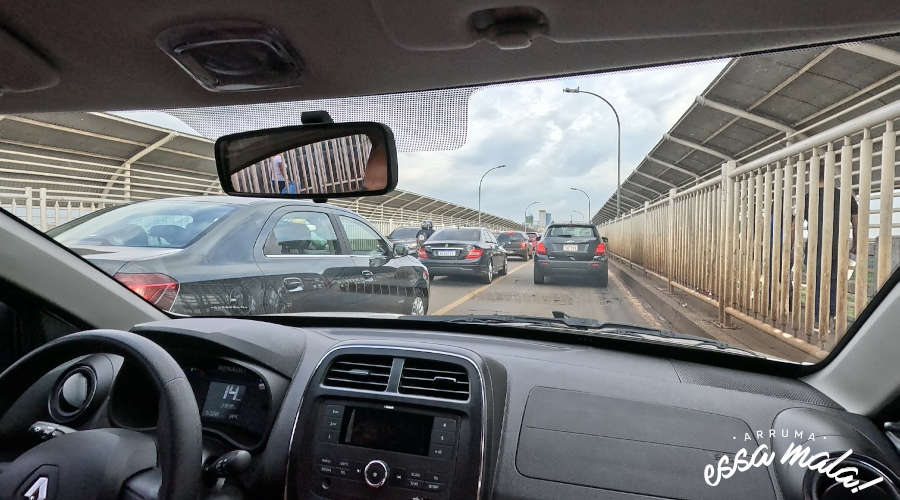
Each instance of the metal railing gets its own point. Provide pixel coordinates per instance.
(45, 209)
(749, 242)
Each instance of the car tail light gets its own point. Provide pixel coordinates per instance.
(522, 245)
(540, 248)
(158, 289)
(601, 249)
(474, 253)
(422, 253)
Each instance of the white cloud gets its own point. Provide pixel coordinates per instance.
(552, 140)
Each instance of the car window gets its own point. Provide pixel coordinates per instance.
(302, 233)
(404, 232)
(510, 238)
(160, 224)
(571, 232)
(363, 239)
(455, 234)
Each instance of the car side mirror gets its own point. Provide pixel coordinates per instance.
(301, 161)
(400, 250)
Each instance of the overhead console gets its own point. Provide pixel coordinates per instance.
(392, 423)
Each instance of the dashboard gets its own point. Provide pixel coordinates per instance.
(338, 412)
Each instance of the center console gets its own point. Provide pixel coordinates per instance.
(390, 424)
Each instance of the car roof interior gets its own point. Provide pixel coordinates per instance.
(104, 56)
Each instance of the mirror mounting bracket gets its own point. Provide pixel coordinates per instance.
(319, 199)
(310, 117)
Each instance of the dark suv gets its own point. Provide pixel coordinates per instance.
(571, 250)
(516, 243)
(466, 251)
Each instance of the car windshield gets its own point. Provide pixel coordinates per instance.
(159, 224)
(404, 233)
(750, 201)
(571, 232)
(456, 234)
(509, 237)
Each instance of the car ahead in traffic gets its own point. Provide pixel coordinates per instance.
(464, 251)
(570, 251)
(533, 237)
(405, 236)
(516, 244)
(221, 255)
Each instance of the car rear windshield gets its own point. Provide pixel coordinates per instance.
(158, 224)
(507, 237)
(572, 232)
(404, 232)
(456, 234)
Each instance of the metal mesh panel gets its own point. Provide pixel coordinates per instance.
(432, 120)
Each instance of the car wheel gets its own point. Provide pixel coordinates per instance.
(489, 272)
(505, 266)
(538, 277)
(418, 306)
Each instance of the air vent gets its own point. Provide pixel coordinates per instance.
(437, 379)
(360, 371)
(817, 486)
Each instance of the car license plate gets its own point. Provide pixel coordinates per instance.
(570, 248)
(445, 253)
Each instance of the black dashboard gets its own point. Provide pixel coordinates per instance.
(336, 412)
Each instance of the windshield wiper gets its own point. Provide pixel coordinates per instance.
(588, 327)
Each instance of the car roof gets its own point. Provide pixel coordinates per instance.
(407, 46)
(251, 201)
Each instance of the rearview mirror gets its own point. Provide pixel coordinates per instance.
(319, 161)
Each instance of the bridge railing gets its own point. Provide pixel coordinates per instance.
(749, 240)
(45, 209)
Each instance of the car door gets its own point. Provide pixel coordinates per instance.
(496, 252)
(387, 280)
(299, 254)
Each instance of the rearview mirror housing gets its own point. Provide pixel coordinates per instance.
(317, 161)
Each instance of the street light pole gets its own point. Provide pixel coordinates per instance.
(586, 195)
(525, 220)
(577, 90)
(479, 190)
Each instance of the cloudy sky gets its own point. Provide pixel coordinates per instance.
(549, 140)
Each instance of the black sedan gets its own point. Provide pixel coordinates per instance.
(571, 250)
(220, 255)
(516, 243)
(465, 251)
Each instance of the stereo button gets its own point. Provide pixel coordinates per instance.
(433, 487)
(444, 424)
(440, 451)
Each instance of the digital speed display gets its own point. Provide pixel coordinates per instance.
(223, 401)
(232, 399)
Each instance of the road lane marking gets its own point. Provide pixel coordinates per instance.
(653, 323)
(456, 303)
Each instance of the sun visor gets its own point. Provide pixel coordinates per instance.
(24, 70)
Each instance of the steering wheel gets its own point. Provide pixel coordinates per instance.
(97, 463)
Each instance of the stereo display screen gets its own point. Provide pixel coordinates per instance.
(388, 430)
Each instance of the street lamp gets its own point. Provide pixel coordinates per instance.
(479, 190)
(577, 90)
(525, 220)
(586, 195)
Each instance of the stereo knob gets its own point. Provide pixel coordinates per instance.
(376, 473)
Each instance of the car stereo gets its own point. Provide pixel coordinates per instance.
(400, 452)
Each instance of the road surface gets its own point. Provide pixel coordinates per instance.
(516, 293)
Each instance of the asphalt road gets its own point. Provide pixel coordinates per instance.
(516, 293)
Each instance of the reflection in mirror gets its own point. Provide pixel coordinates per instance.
(332, 166)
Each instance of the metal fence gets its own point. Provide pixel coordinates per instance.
(46, 209)
(748, 240)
